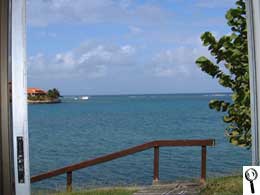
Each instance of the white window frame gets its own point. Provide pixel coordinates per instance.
(14, 115)
(19, 91)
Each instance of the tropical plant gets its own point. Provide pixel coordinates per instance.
(229, 66)
(53, 93)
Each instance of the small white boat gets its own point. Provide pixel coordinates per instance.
(75, 98)
(84, 98)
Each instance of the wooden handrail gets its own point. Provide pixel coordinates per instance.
(154, 144)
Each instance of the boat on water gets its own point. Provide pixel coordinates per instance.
(84, 98)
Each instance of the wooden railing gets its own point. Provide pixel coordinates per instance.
(154, 144)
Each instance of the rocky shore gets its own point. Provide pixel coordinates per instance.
(54, 101)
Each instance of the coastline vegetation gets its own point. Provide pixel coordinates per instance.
(230, 67)
(100, 191)
(229, 185)
(52, 95)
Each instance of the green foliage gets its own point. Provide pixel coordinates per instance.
(229, 66)
(37, 98)
(102, 191)
(229, 185)
(53, 93)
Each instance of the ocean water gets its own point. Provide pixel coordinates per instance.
(74, 130)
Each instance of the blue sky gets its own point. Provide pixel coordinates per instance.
(121, 46)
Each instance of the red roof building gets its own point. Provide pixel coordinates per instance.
(35, 92)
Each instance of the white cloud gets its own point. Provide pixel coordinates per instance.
(48, 34)
(93, 60)
(128, 49)
(46, 12)
(215, 3)
(125, 4)
(135, 30)
(177, 62)
(87, 61)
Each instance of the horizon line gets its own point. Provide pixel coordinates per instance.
(138, 94)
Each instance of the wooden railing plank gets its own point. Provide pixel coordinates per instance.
(154, 144)
(182, 143)
(92, 162)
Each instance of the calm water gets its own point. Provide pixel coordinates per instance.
(61, 134)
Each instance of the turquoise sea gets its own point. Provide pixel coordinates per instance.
(76, 130)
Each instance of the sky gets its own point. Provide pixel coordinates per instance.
(95, 47)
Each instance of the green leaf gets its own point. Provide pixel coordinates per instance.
(229, 65)
(201, 60)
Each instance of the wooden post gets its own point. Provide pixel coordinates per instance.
(203, 164)
(69, 181)
(156, 165)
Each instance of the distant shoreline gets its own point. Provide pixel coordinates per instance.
(130, 94)
(55, 101)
